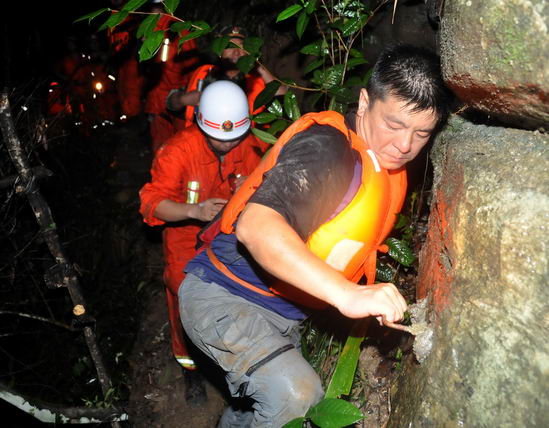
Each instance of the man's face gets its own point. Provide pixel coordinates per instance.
(393, 132)
(233, 54)
(223, 147)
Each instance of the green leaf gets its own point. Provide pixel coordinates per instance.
(353, 81)
(290, 105)
(384, 273)
(302, 22)
(313, 99)
(147, 26)
(402, 221)
(344, 373)
(178, 27)
(400, 251)
(205, 29)
(313, 65)
(253, 44)
(276, 108)
(151, 45)
(245, 63)
(266, 94)
(334, 413)
(201, 26)
(310, 6)
(332, 76)
(171, 6)
(264, 117)
(277, 126)
(92, 15)
(353, 62)
(355, 53)
(312, 48)
(288, 12)
(295, 423)
(132, 5)
(265, 136)
(343, 95)
(353, 25)
(219, 44)
(114, 20)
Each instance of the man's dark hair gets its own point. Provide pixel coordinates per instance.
(411, 74)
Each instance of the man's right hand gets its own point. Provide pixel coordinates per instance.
(207, 209)
(379, 300)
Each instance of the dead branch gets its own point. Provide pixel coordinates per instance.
(48, 230)
(50, 413)
(38, 172)
(38, 318)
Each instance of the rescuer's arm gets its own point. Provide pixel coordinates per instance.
(168, 210)
(268, 78)
(275, 245)
(178, 100)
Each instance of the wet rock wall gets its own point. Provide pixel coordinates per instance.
(484, 266)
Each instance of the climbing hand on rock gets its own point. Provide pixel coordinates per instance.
(379, 300)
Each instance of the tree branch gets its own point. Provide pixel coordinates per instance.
(50, 413)
(48, 229)
(38, 318)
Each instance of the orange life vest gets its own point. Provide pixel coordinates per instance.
(348, 242)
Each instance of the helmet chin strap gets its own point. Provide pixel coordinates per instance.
(216, 152)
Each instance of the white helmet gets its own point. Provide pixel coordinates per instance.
(223, 111)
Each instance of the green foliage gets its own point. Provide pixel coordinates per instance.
(171, 6)
(147, 26)
(265, 136)
(92, 15)
(334, 413)
(113, 20)
(266, 94)
(400, 251)
(219, 44)
(290, 105)
(384, 272)
(151, 45)
(253, 45)
(329, 413)
(245, 63)
(288, 12)
(342, 380)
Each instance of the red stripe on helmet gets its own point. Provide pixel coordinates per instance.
(212, 124)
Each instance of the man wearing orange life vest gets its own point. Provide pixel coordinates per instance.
(193, 175)
(182, 101)
(302, 230)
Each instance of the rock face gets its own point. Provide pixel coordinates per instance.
(494, 56)
(485, 268)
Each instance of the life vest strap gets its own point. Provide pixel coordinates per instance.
(224, 270)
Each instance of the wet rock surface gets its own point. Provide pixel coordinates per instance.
(485, 270)
(494, 56)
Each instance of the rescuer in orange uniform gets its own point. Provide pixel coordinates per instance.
(175, 65)
(301, 232)
(193, 175)
(130, 80)
(182, 101)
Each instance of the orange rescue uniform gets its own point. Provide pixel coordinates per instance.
(175, 74)
(183, 159)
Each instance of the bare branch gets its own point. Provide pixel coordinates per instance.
(38, 318)
(48, 230)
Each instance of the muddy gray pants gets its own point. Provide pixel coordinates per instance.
(258, 350)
